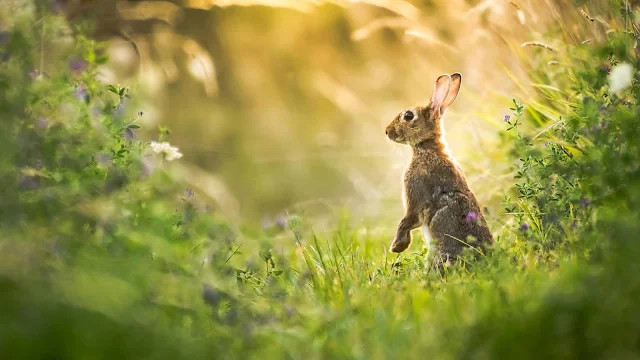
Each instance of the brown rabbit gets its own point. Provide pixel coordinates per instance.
(436, 194)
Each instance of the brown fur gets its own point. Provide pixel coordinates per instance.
(435, 189)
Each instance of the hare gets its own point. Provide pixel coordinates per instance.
(436, 194)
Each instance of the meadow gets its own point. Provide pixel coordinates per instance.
(122, 237)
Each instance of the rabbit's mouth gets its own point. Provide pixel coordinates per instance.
(393, 135)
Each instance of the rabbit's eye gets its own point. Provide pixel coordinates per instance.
(408, 115)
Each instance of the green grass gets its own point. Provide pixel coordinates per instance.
(101, 257)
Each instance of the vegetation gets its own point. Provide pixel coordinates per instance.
(106, 253)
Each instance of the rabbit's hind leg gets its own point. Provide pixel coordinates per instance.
(450, 227)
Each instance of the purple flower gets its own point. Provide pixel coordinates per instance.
(507, 118)
(585, 202)
(95, 111)
(42, 123)
(282, 222)
(80, 93)
(606, 69)
(57, 6)
(128, 134)
(546, 144)
(34, 74)
(524, 226)
(210, 295)
(78, 65)
(27, 183)
(472, 217)
(102, 159)
(189, 192)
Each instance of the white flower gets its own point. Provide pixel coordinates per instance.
(620, 77)
(166, 150)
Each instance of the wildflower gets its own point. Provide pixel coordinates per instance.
(34, 74)
(524, 226)
(95, 111)
(585, 202)
(140, 113)
(282, 222)
(507, 118)
(27, 183)
(42, 123)
(78, 65)
(620, 77)
(57, 6)
(546, 144)
(166, 150)
(128, 134)
(189, 192)
(472, 217)
(80, 93)
(102, 159)
(210, 295)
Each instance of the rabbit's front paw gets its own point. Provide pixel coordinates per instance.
(401, 242)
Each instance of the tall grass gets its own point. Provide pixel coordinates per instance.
(107, 254)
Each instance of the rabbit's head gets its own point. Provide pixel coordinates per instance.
(421, 123)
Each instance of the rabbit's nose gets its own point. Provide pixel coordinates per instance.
(386, 131)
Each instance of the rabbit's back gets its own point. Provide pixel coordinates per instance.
(430, 175)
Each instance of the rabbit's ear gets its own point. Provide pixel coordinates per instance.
(440, 92)
(454, 89)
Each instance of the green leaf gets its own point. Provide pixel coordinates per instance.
(265, 254)
(101, 60)
(133, 126)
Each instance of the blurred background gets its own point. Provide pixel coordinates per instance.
(280, 105)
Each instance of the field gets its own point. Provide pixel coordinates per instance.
(263, 230)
